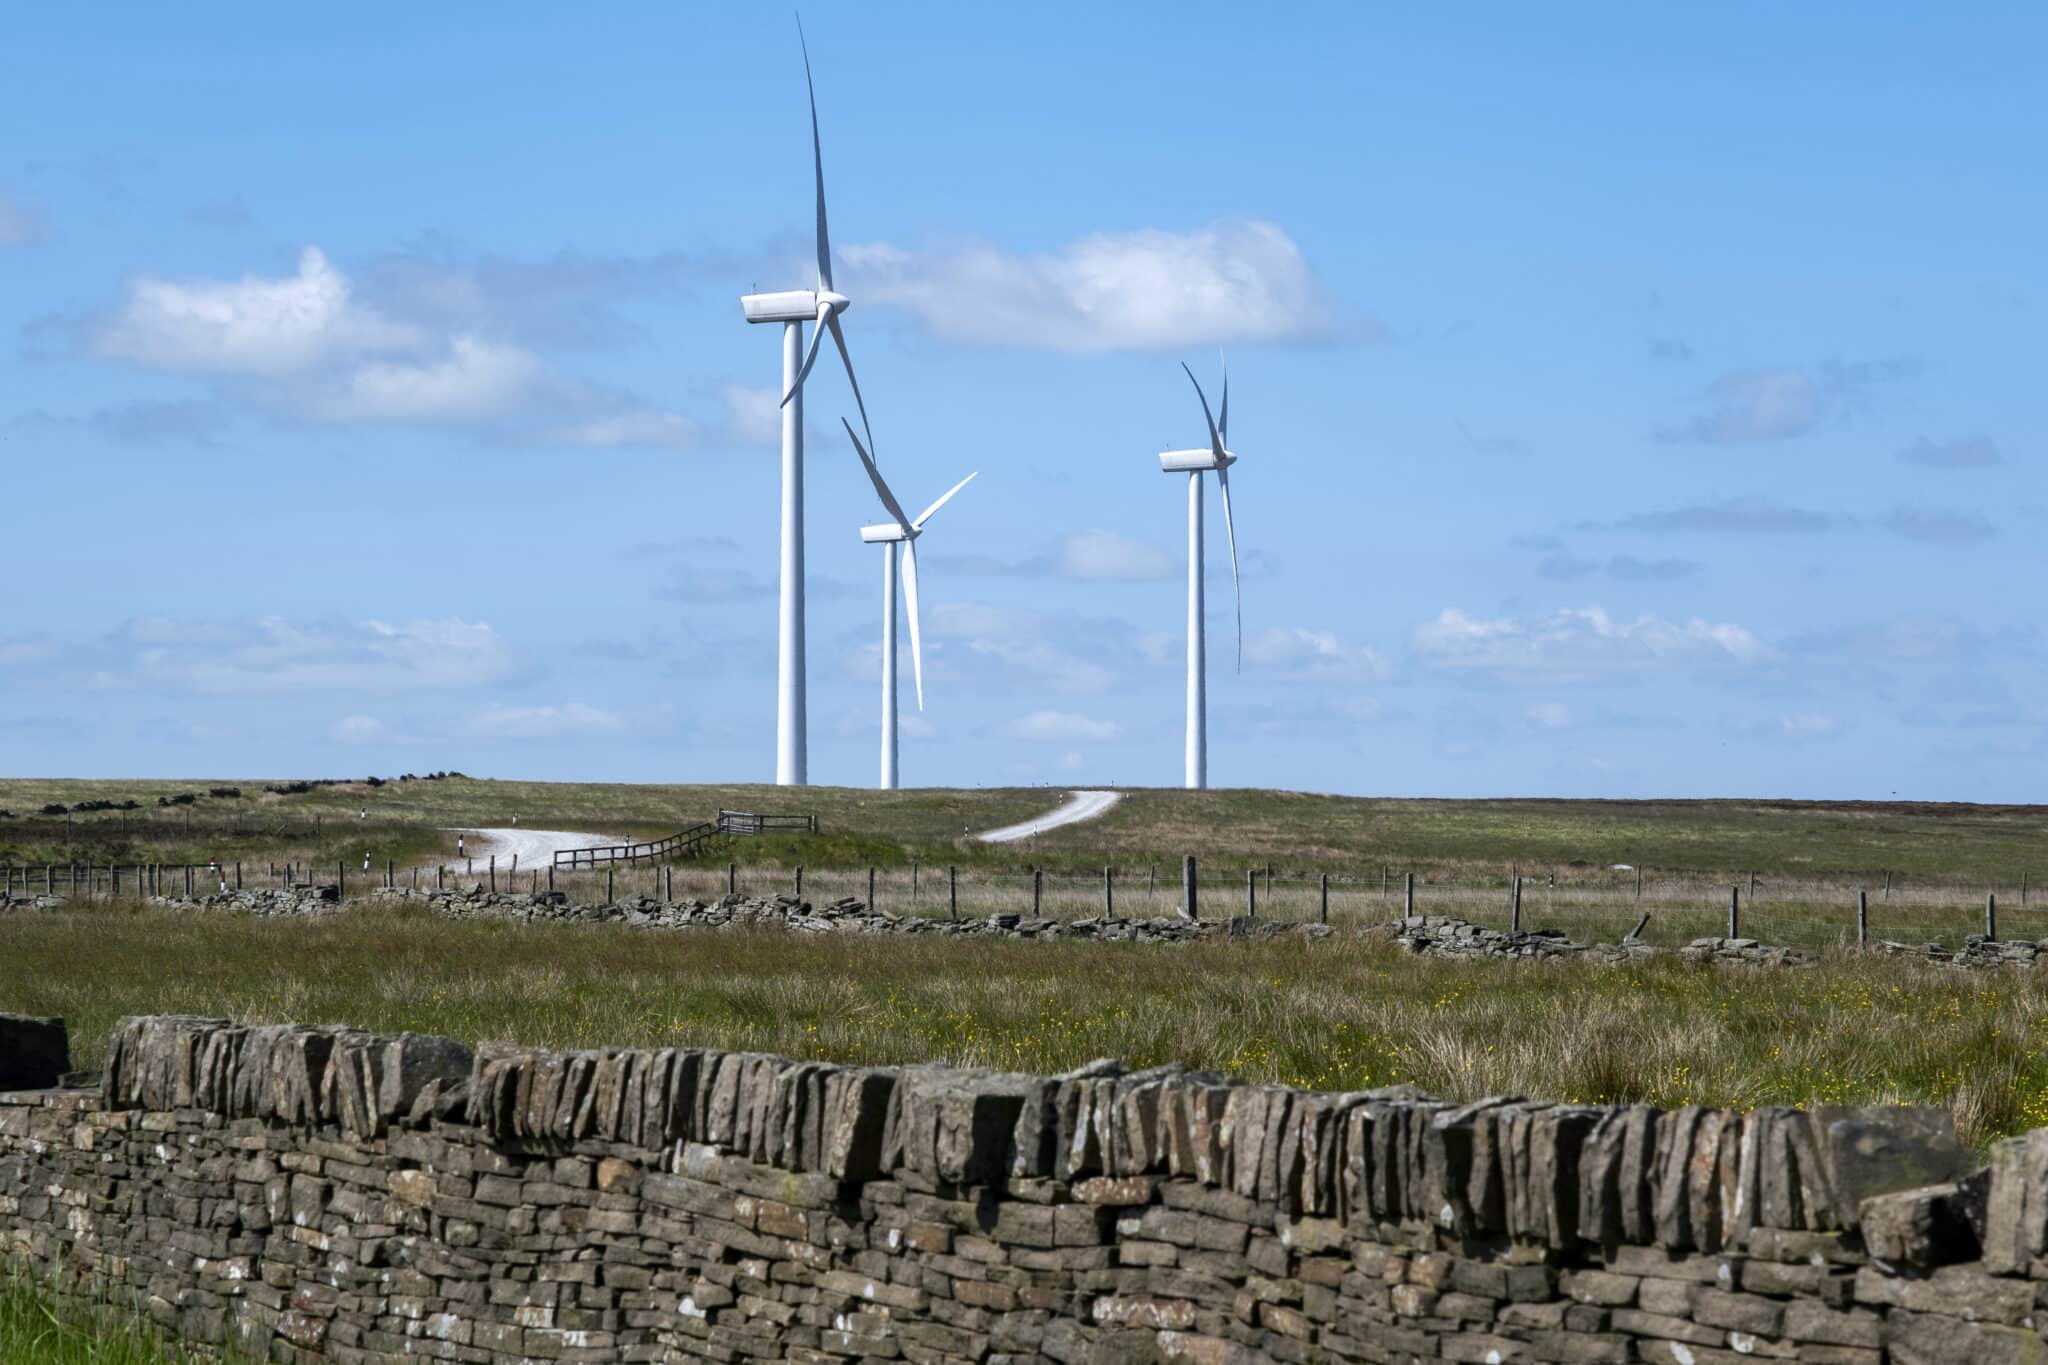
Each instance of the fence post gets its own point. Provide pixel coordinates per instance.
(799, 881)
(1515, 907)
(188, 881)
(441, 876)
(1187, 887)
(1991, 916)
(609, 897)
(1862, 917)
(1323, 907)
(1269, 881)
(1887, 887)
(2023, 889)
(1251, 893)
(1735, 912)
(668, 883)
(1639, 882)
(494, 874)
(551, 876)
(340, 880)
(390, 875)
(952, 892)
(913, 881)
(1408, 897)
(1383, 880)
(1108, 893)
(1037, 890)
(871, 890)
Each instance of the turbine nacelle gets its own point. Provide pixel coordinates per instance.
(886, 534)
(1193, 461)
(790, 305)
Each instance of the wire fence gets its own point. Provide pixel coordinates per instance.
(1592, 907)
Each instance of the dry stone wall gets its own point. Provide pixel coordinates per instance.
(322, 1193)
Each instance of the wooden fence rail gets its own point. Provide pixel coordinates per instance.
(687, 843)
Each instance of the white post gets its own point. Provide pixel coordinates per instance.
(1198, 703)
(791, 768)
(889, 666)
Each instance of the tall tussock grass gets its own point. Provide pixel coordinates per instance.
(1344, 1013)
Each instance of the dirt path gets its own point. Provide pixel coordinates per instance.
(532, 847)
(1079, 806)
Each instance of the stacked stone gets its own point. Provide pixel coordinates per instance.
(778, 912)
(1977, 951)
(1448, 936)
(331, 1194)
(1742, 952)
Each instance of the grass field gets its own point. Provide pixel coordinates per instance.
(1830, 847)
(40, 1328)
(1335, 1015)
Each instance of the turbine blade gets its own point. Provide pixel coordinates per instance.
(926, 515)
(839, 340)
(1223, 415)
(811, 358)
(867, 463)
(1215, 440)
(1236, 592)
(817, 165)
(910, 594)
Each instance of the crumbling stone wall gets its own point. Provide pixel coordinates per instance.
(328, 1194)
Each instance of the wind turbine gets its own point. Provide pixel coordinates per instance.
(904, 531)
(1195, 463)
(793, 308)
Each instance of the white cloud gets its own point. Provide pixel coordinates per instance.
(1757, 405)
(307, 345)
(1298, 652)
(1231, 281)
(1100, 555)
(1939, 525)
(27, 651)
(1580, 642)
(1776, 403)
(569, 720)
(1061, 727)
(20, 225)
(1549, 715)
(272, 655)
(248, 326)
(642, 428)
(1020, 641)
(1808, 725)
(1058, 669)
(356, 730)
(754, 416)
(1964, 452)
(474, 379)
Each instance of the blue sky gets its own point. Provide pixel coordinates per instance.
(1629, 402)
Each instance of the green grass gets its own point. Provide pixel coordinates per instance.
(38, 1327)
(1335, 1015)
(1830, 846)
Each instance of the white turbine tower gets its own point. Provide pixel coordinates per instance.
(793, 308)
(904, 531)
(1194, 463)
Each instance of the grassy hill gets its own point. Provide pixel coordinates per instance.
(1297, 832)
